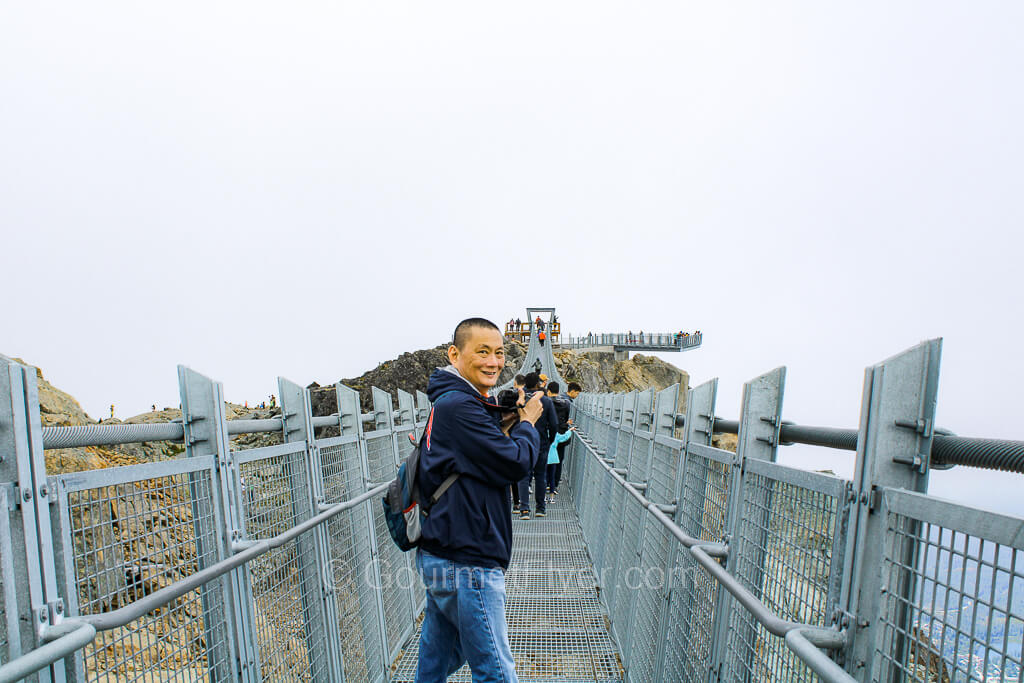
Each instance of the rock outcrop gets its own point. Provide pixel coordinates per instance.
(59, 409)
(594, 371)
(600, 372)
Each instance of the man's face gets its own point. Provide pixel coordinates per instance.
(481, 358)
(573, 394)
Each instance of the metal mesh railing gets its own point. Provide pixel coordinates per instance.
(706, 482)
(352, 563)
(953, 601)
(785, 550)
(285, 582)
(131, 532)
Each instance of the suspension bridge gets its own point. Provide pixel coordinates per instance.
(666, 559)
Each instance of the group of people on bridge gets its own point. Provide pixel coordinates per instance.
(555, 430)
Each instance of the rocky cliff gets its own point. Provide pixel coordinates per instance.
(59, 409)
(594, 371)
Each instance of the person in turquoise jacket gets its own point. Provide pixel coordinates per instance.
(553, 452)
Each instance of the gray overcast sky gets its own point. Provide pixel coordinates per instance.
(307, 189)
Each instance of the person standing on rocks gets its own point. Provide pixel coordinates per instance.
(466, 540)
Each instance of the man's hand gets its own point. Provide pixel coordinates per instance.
(508, 421)
(533, 409)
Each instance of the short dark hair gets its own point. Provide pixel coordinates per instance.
(574, 387)
(554, 387)
(519, 379)
(532, 380)
(462, 330)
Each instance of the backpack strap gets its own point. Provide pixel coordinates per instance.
(445, 485)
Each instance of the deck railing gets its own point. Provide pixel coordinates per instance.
(669, 341)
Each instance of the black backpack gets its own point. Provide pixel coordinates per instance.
(562, 412)
(404, 506)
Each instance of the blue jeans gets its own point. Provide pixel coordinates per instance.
(464, 621)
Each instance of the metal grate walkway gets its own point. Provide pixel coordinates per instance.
(558, 629)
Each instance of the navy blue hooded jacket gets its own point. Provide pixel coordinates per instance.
(472, 522)
(547, 423)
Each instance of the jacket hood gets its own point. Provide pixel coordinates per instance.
(448, 379)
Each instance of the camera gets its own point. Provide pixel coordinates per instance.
(508, 398)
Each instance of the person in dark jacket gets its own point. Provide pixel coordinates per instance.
(519, 384)
(572, 391)
(466, 540)
(547, 428)
(562, 407)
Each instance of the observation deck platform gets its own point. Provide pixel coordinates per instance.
(557, 626)
(623, 341)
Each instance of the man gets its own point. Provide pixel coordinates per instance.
(466, 538)
(547, 428)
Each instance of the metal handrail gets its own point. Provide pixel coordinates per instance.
(808, 639)
(948, 449)
(77, 436)
(77, 632)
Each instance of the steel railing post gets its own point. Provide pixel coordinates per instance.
(407, 414)
(895, 437)
(663, 424)
(323, 639)
(397, 562)
(350, 419)
(639, 471)
(700, 402)
(33, 599)
(626, 408)
(758, 438)
(206, 434)
(422, 412)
